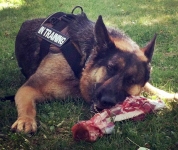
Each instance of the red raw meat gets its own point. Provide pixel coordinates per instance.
(134, 107)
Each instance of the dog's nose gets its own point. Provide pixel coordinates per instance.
(107, 101)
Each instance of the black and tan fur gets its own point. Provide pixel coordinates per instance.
(114, 68)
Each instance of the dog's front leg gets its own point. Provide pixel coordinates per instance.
(25, 100)
(160, 93)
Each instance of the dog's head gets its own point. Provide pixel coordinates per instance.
(117, 67)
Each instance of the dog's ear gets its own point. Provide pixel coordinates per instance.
(149, 48)
(101, 34)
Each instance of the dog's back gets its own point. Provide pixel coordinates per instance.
(27, 47)
(81, 33)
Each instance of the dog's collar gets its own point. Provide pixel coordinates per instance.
(50, 32)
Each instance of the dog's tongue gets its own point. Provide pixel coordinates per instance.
(134, 107)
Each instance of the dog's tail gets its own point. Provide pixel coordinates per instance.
(11, 98)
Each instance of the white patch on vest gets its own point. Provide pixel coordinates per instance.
(41, 30)
(51, 35)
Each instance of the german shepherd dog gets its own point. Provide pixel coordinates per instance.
(114, 67)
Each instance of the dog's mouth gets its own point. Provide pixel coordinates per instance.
(96, 108)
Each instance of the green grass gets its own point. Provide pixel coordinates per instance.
(140, 19)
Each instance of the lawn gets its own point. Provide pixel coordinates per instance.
(140, 19)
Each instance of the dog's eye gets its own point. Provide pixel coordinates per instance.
(111, 69)
(130, 81)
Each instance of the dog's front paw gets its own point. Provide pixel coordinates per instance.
(24, 124)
